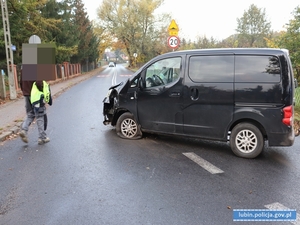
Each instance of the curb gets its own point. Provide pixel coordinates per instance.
(12, 131)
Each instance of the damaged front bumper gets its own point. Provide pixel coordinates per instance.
(111, 102)
(106, 110)
(109, 106)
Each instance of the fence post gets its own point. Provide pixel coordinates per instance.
(2, 85)
(66, 69)
(16, 78)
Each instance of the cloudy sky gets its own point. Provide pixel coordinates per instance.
(215, 18)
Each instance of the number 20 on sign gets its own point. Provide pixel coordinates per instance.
(173, 42)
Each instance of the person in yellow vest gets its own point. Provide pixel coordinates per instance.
(35, 105)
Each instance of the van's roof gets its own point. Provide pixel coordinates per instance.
(231, 50)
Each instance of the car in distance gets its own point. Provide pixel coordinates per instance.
(111, 64)
(243, 96)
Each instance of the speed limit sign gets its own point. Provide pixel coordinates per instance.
(173, 42)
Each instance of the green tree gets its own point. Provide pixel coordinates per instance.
(157, 42)
(104, 39)
(65, 38)
(93, 46)
(187, 44)
(2, 52)
(25, 20)
(204, 42)
(75, 40)
(230, 42)
(85, 36)
(133, 23)
(290, 40)
(64, 23)
(253, 28)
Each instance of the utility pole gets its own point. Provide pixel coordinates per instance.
(9, 53)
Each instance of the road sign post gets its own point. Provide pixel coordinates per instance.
(135, 55)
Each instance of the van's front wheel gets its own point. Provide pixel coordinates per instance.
(127, 127)
(246, 140)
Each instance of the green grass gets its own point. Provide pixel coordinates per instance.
(297, 106)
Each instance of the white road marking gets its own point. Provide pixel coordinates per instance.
(114, 79)
(103, 75)
(277, 205)
(203, 163)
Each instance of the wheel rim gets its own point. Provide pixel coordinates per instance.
(246, 141)
(129, 128)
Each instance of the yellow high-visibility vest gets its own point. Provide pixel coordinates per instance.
(35, 94)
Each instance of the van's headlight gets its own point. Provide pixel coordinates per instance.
(106, 98)
(108, 93)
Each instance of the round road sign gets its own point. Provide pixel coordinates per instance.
(173, 42)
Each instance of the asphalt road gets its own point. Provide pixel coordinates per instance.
(88, 175)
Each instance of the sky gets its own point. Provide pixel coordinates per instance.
(214, 18)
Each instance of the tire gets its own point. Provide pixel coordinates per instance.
(246, 140)
(127, 127)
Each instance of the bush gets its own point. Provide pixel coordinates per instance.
(297, 106)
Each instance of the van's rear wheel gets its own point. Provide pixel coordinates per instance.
(127, 127)
(246, 140)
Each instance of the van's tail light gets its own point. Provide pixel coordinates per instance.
(288, 115)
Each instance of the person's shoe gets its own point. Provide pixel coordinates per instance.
(23, 136)
(43, 141)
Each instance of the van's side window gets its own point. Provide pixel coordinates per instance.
(163, 72)
(216, 68)
(252, 68)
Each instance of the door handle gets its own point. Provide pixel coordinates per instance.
(134, 96)
(194, 93)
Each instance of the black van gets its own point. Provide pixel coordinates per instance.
(244, 96)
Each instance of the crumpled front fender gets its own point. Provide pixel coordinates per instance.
(106, 100)
(109, 106)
